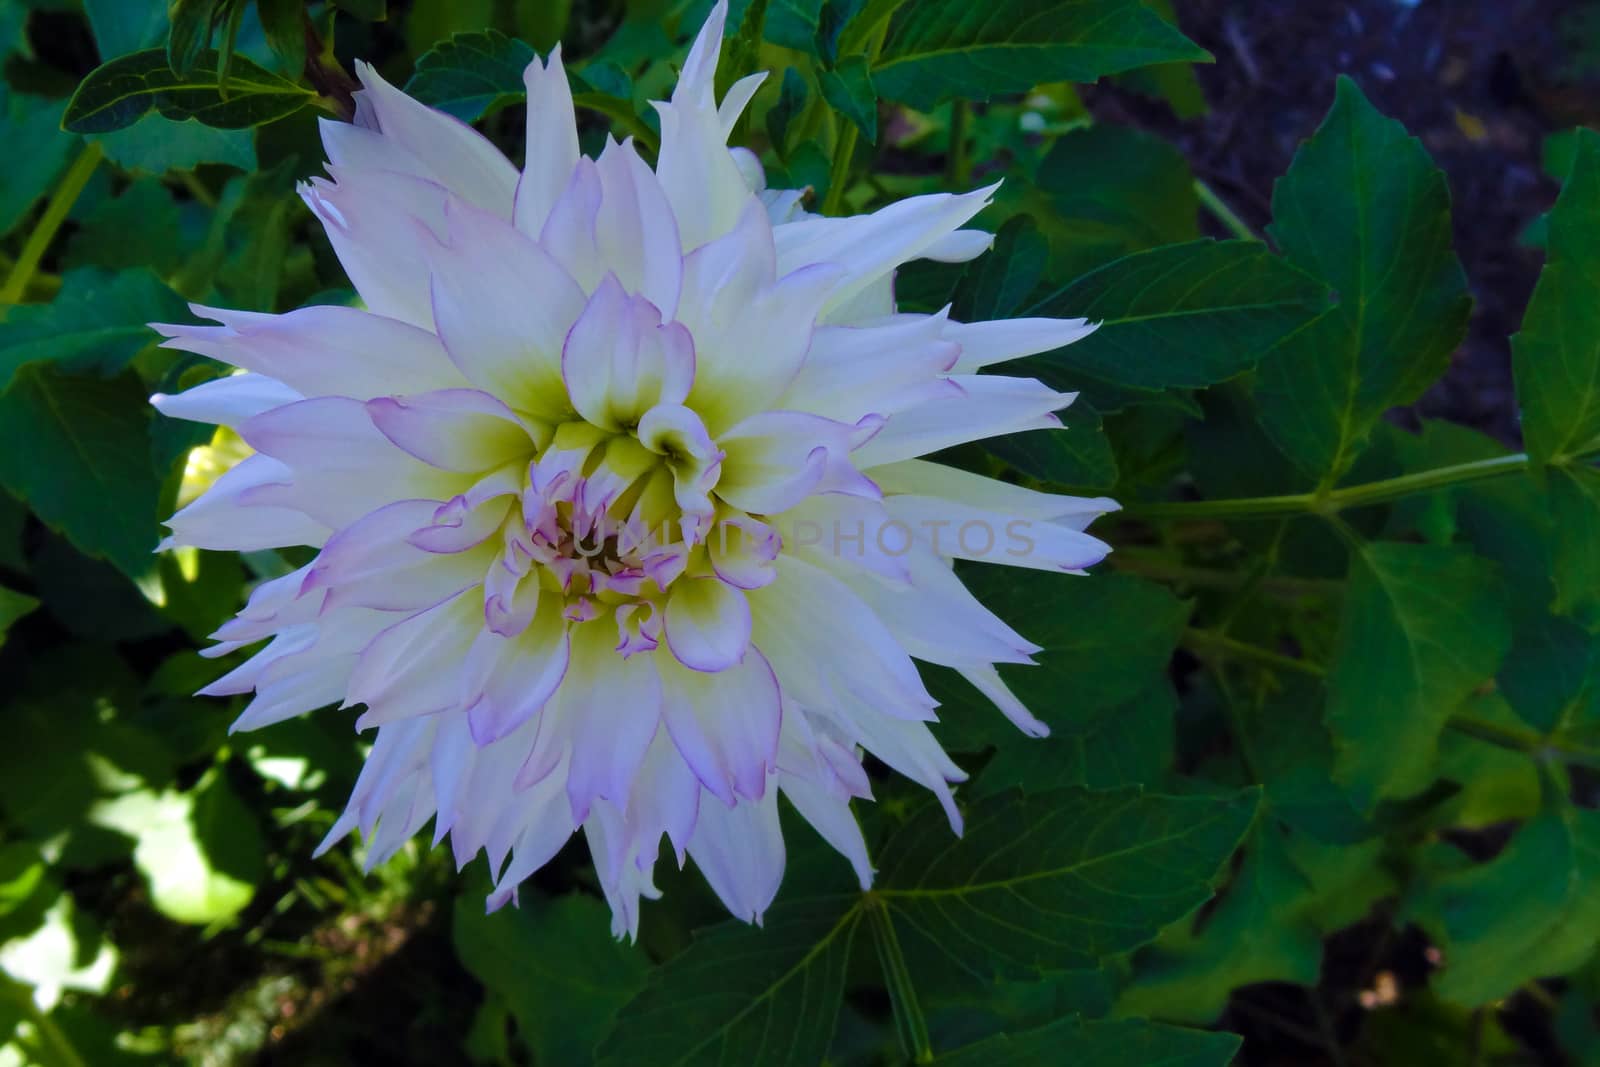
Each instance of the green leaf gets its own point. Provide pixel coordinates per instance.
(1258, 932)
(997, 284)
(201, 852)
(1423, 626)
(1103, 192)
(1575, 506)
(1175, 83)
(1131, 745)
(938, 49)
(96, 325)
(140, 227)
(36, 153)
(1556, 356)
(791, 103)
(1183, 316)
(1364, 209)
(284, 23)
(832, 17)
(1551, 676)
(120, 27)
(78, 451)
(117, 94)
(848, 90)
(1105, 639)
(365, 10)
(192, 24)
(156, 145)
(1095, 874)
(792, 23)
(13, 606)
(1103, 1043)
(555, 964)
(1078, 454)
(69, 703)
(743, 994)
(471, 74)
(1531, 912)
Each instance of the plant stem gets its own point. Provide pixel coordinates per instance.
(958, 167)
(1222, 212)
(839, 173)
(1334, 500)
(1157, 565)
(55, 213)
(1210, 639)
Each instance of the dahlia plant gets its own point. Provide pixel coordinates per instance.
(617, 494)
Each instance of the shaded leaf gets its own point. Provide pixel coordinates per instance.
(1106, 638)
(1556, 356)
(1364, 209)
(1103, 192)
(938, 49)
(157, 145)
(1077, 454)
(119, 93)
(1423, 626)
(1258, 932)
(1183, 316)
(998, 283)
(78, 451)
(1104, 1043)
(1531, 912)
(96, 325)
(36, 152)
(1131, 745)
(1575, 548)
(1095, 873)
(120, 27)
(556, 966)
(471, 74)
(13, 606)
(743, 994)
(791, 103)
(848, 90)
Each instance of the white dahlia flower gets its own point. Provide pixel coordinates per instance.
(615, 491)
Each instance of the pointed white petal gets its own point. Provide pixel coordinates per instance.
(452, 153)
(552, 142)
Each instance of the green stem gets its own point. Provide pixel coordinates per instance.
(845, 142)
(1334, 500)
(1223, 213)
(1159, 566)
(958, 167)
(1203, 640)
(913, 1027)
(839, 173)
(55, 213)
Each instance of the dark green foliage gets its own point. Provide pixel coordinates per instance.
(1336, 679)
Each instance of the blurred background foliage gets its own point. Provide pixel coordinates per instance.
(1321, 784)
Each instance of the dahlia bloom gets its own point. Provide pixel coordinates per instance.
(614, 487)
